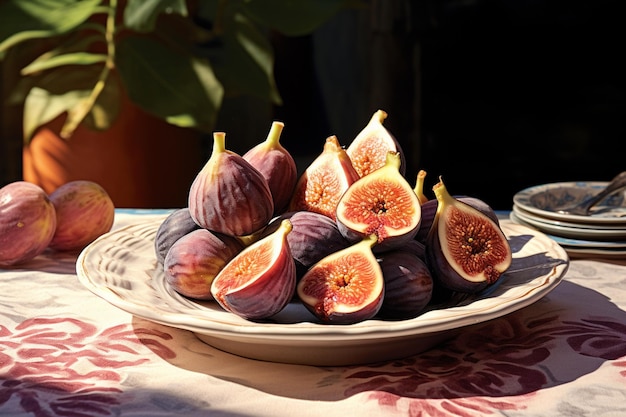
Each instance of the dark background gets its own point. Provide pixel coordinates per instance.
(495, 96)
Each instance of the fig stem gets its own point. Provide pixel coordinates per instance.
(273, 137)
(219, 142)
(419, 186)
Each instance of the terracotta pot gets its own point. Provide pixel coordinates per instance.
(141, 161)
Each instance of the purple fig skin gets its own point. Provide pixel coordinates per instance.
(484, 249)
(429, 208)
(408, 285)
(229, 195)
(176, 225)
(84, 212)
(195, 259)
(277, 165)
(27, 222)
(313, 237)
(335, 294)
(261, 280)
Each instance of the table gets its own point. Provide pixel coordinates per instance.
(66, 352)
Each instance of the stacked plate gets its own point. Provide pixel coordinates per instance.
(602, 233)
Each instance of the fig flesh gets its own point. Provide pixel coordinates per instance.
(344, 287)
(27, 222)
(368, 150)
(195, 259)
(176, 225)
(229, 195)
(84, 212)
(324, 181)
(466, 250)
(259, 281)
(277, 165)
(381, 203)
(429, 209)
(408, 285)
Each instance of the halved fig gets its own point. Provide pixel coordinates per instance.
(259, 281)
(195, 259)
(408, 284)
(229, 195)
(346, 286)
(313, 237)
(324, 181)
(277, 165)
(465, 249)
(381, 203)
(368, 150)
(429, 209)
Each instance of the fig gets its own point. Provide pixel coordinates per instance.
(408, 285)
(345, 287)
(324, 181)
(84, 212)
(176, 225)
(313, 237)
(27, 222)
(194, 260)
(229, 195)
(466, 250)
(277, 165)
(368, 150)
(259, 281)
(381, 203)
(419, 187)
(429, 209)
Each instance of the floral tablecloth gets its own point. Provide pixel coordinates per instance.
(66, 352)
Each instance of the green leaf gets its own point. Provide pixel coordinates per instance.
(76, 58)
(294, 17)
(23, 20)
(178, 88)
(62, 90)
(245, 63)
(141, 15)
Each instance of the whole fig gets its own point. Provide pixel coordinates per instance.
(277, 166)
(27, 222)
(408, 284)
(229, 195)
(176, 225)
(84, 212)
(313, 237)
(195, 259)
(466, 250)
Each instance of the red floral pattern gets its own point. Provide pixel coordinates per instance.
(66, 367)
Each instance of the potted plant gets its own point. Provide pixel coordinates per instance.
(97, 67)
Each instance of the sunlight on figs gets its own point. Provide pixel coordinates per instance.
(344, 287)
(259, 281)
(324, 181)
(381, 203)
(368, 150)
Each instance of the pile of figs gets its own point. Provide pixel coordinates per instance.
(350, 237)
(66, 220)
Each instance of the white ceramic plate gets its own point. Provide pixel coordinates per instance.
(602, 234)
(545, 200)
(121, 268)
(569, 242)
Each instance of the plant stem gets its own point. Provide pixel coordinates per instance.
(78, 114)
